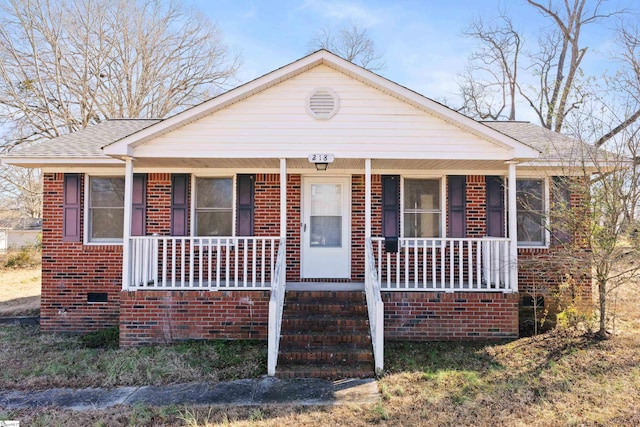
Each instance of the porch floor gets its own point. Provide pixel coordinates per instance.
(325, 286)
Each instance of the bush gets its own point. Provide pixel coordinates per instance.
(27, 256)
(105, 338)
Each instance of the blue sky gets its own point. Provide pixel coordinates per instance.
(421, 40)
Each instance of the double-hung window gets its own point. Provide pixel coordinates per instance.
(214, 207)
(422, 211)
(106, 209)
(531, 212)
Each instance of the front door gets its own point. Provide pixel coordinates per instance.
(326, 228)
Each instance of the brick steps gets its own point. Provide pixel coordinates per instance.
(325, 335)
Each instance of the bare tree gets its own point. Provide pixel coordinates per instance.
(352, 43)
(489, 86)
(67, 64)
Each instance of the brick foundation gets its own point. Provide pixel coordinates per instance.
(158, 317)
(438, 316)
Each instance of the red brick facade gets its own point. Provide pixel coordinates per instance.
(72, 270)
(152, 317)
(438, 316)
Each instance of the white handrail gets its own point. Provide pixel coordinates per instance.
(446, 265)
(212, 263)
(276, 307)
(375, 307)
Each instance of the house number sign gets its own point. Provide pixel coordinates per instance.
(321, 158)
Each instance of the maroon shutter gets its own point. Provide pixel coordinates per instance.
(457, 201)
(139, 205)
(495, 206)
(179, 204)
(560, 219)
(391, 206)
(71, 208)
(245, 185)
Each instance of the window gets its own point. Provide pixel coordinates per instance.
(214, 206)
(106, 209)
(530, 201)
(421, 208)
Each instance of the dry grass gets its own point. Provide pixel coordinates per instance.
(19, 288)
(31, 360)
(556, 379)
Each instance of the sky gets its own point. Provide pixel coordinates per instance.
(421, 40)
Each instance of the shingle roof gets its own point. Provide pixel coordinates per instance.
(553, 146)
(85, 143)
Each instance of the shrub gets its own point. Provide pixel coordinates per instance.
(105, 338)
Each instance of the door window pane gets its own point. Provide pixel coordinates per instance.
(326, 231)
(326, 199)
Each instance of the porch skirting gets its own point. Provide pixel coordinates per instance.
(159, 317)
(457, 316)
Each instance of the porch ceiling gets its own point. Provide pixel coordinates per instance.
(338, 164)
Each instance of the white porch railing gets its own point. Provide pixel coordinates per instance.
(446, 265)
(167, 262)
(375, 307)
(276, 306)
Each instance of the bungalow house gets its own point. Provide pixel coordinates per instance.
(320, 184)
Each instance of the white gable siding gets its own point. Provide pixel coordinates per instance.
(275, 123)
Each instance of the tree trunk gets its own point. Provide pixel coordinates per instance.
(602, 296)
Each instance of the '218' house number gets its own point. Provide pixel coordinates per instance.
(321, 158)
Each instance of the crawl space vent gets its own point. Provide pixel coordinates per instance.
(323, 104)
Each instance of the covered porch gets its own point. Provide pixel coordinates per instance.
(263, 263)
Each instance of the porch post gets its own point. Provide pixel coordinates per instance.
(283, 198)
(367, 198)
(513, 227)
(126, 234)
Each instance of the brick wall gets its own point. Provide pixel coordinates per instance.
(157, 317)
(71, 270)
(425, 316)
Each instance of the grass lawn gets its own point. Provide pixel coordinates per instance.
(555, 379)
(20, 286)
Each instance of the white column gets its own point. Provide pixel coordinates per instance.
(513, 226)
(126, 235)
(367, 198)
(283, 198)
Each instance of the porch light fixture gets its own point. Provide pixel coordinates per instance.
(321, 160)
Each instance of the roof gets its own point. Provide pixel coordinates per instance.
(83, 144)
(555, 148)
(124, 147)
(21, 223)
(110, 141)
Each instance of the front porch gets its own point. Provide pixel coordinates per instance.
(236, 286)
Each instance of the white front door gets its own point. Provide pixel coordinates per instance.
(326, 227)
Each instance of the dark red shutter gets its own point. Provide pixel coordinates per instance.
(560, 210)
(179, 204)
(71, 208)
(245, 203)
(495, 206)
(139, 205)
(457, 201)
(391, 206)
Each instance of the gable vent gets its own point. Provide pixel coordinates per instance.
(322, 104)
